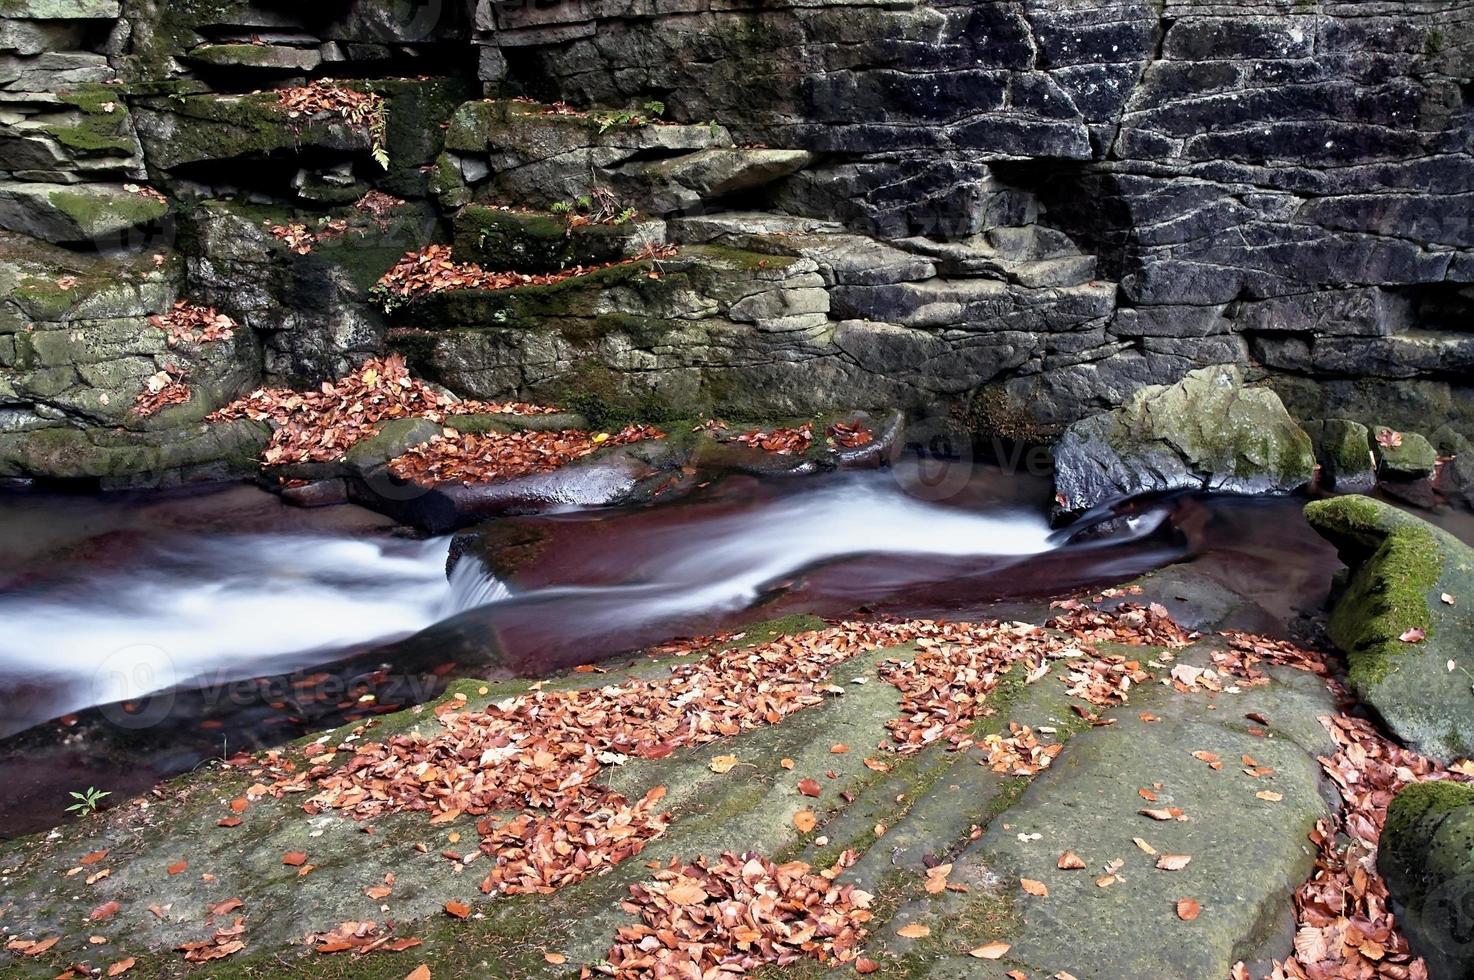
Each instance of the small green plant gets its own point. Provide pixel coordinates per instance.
(585, 203)
(655, 108)
(561, 207)
(87, 802)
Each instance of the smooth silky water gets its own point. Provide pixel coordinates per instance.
(141, 636)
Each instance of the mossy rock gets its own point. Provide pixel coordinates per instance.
(66, 213)
(1400, 569)
(1426, 856)
(533, 241)
(1413, 458)
(1343, 449)
(116, 458)
(1209, 431)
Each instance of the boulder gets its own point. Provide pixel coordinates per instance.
(1427, 861)
(1404, 455)
(1209, 431)
(1397, 629)
(82, 213)
(1343, 450)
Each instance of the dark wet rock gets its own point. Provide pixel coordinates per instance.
(1396, 628)
(1209, 431)
(1343, 450)
(1426, 856)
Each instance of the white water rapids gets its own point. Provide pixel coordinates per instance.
(212, 608)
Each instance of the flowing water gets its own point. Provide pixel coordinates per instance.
(142, 635)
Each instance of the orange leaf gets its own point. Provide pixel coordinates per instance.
(421, 972)
(1070, 861)
(990, 951)
(808, 787)
(294, 859)
(121, 967)
(178, 867)
(458, 909)
(1035, 888)
(914, 931)
(805, 821)
(1188, 909)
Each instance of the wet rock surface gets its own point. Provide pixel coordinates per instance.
(1207, 431)
(898, 818)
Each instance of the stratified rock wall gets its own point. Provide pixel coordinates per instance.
(1016, 211)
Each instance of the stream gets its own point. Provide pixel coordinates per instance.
(143, 635)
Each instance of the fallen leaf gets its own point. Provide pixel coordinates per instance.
(1188, 909)
(990, 951)
(557, 959)
(839, 749)
(178, 867)
(421, 972)
(1448, 600)
(805, 821)
(1173, 862)
(914, 931)
(723, 763)
(121, 967)
(1035, 888)
(458, 909)
(866, 965)
(1070, 861)
(1269, 795)
(689, 893)
(294, 859)
(104, 911)
(93, 858)
(809, 787)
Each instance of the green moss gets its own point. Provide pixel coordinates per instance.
(1396, 562)
(1421, 800)
(100, 213)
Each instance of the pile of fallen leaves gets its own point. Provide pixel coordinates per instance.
(361, 110)
(784, 442)
(944, 688)
(321, 425)
(1019, 753)
(360, 938)
(793, 440)
(543, 752)
(163, 388)
(187, 323)
(735, 914)
(1128, 623)
(301, 239)
(850, 436)
(468, 458)
(432, 269)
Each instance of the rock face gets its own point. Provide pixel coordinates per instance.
(1016, 212)
(896, 815)
(1402, 616)
(1427, 860)
(1207, 431)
